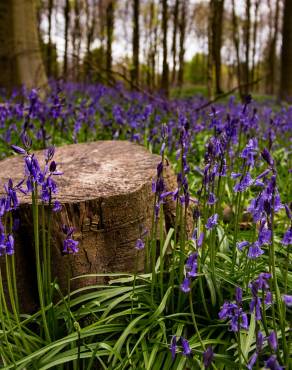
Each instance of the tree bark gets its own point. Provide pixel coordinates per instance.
(182, 36)
(286, 54)
(66, 33)
(20, 57)
(271, 73)
(255, 28)
(49, 49)
(174, 37)
(109, 37)
(235, 34)
(106, 195)
(247, 47)
(135, 43)
(217, 27)
(164, 77)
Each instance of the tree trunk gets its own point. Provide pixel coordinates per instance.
(286, 55)
(182, 34)
(135, 43)
(66, 32)
(106, 195)
(235, 34)
(255, 28)
(272, 53)
(109, 37)
(174, 36)
(247, 47)
(20, 57)
(217, 26)
(76, 40)
(164, 77)
(49, 48)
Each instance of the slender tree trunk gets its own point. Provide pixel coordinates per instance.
(76, 40)
(255, 29)
(174, 36)
(236, 46)
(109, 37)
(165, 77)
(286, 54)
(272, 52)
(182, 36)
(49, 48)
(217, 42)
(20, 57)
(135, 43)
(247, 47)
(66, 33)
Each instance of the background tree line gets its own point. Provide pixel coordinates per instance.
(236, 43)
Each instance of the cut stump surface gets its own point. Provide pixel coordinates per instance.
(105, 191)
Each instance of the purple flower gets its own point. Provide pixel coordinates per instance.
(57, 206)
(208, 356)
(139, 244)
(18, 149)
(236, 314)
(273, 342)
(186, 285)
(192, 265)
(273, 364)
(255, 251)
(211, 199)
(212, 221)
(252, 361)
(260, 341)
(241, 245)
(70, 246)
(173, 347)
(287, 299)
(10, 245)
(267, 157)
(244, 183)
(238, 295)
(200, 240)
(186, 347)
(287, 238)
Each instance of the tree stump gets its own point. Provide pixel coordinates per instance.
(106, 195)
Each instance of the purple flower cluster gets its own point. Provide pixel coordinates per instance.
(208, 354)
(70, 246)
(261, 287)
(191, 268)
(234, 312)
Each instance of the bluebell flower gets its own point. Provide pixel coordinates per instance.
(200, 240)
(208, 356)
(173, 347)
(236, 314)
(211, 199)
(287, 238)
(244, 183)
(57, 206)
(287, 299)
(241, 245)
(139, 244)
(255, 250)
(273, 342)
(186, 285)
(186, 347)
(273, 364)
(252, 361)
(10, 245)
(212, 221)
(70, 246)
